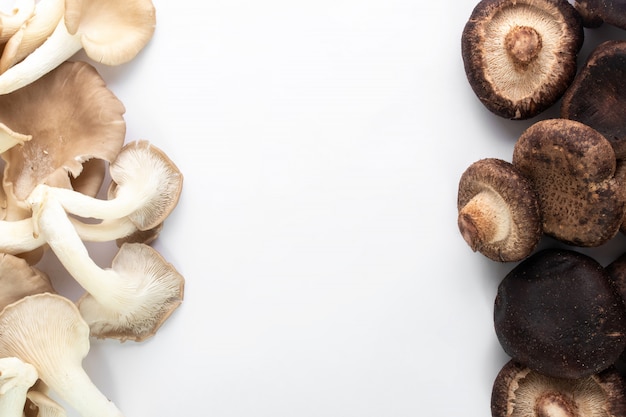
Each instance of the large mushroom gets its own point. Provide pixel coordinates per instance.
(572, 167)
(520, 55)
(558, 314)
(597, 12)
(74, 121)
(498, 209)
(597, 96)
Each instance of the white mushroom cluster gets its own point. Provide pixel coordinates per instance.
(63, 141)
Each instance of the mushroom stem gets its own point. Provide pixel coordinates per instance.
(484, 219)
(59, 47)
(523, 44)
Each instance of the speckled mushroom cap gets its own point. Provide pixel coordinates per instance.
(596, 12)
(557, 313)
(519, 391)
(597, 96)
(572, 168)
(520, 55)
(498, 211)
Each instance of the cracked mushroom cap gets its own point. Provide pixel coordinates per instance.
(520, 55)
(572, 168)
(73, 118)
(597, 96)
(519, 391)
(498, 211)
(557, 313)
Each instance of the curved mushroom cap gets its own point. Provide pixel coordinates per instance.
(112, 31)
(596, 12)
(498, 211)
(519, 391)
(142, 169)
(160, 291)
(18, 279)
(520, 56)
(597, 96)
(21, 11)
(72, 117)
(572, 168)
(557, 313)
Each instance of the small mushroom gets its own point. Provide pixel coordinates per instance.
(519, 391)
(146, 186)
(498, 211)
(72, 117)
(16, 377)
(130, 300)
(520, 55)
(47, 331)
(111, 32)
(597, 96)
(572, 168)
(557, 313)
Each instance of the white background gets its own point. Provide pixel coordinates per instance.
(321, 144)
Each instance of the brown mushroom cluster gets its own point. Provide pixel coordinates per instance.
(558, 314)
(63, 143)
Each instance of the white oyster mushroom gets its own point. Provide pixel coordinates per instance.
(130, 300)
(146, 188)
(16, 377)
(10, 138)
(47, 331)
(111, 32)
(10, 22)
(42, 405)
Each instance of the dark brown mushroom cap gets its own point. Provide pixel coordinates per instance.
(597, 96)
(520, 55)
(617, 275)
(558, 314)
(572, 168)
(498, 211)
(596, 12)
(519, 391)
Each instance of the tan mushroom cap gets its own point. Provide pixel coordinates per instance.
(72, 117)
(520, 55)
(572, 168)
(18, 279)
(112, 31)
(498, 211)
(10, 22)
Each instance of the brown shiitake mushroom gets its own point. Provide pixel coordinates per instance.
(520, 55)
(558, 314)
(519, 391)
(596, 12)
(572, 167)
(597, 96)
(498, 211)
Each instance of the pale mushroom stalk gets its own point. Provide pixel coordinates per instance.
(47, 331)
(128, 301)
(16, 377)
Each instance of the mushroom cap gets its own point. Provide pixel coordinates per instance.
(572, 168)
(141, 168)
(72, 117)
(596, 12)
(18, 279)
(520, 55)
(597, 96)
(493, 189)
(519, 391)
(159, 290)
(112, 32)
(557, 313)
